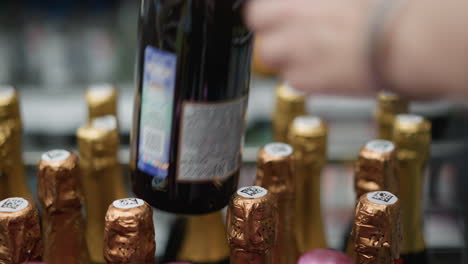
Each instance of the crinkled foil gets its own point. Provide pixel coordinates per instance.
(20, 235)
(376, 171)
(388, 106)
(60, 194)
(376, 232)
(99, 105)
(288, 106)
(413, 147)
(310, 153)
(277, 175)
(251, 229)
(129, 235)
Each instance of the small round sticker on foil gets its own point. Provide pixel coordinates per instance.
(56, 155)
(278, 149)
(101, 91)
(14, 204)
(307, 121)
(7, 91)
(252, 192)
(379, 145)
(108, 122)
(406, 118)
(128, 203)
(382, 197)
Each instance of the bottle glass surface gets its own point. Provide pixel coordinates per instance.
(192, 80)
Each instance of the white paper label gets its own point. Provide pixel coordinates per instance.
(406, 118)
(307, 122)
(101, 90)
(211, 138)
(382, 197)
(381, 146)
(278, 149)
(252, 192)
(128, 203)
(108, 122)
(56, 155)
(14, 204)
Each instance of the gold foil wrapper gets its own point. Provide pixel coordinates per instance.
(308, 136)
(20, 231)
(205, 239)
(252, 218)
(376, 231)
(289, 105)
(276, 173)
(60, 194)
(389, 105)
(129, 233)
(101, 100)
(100, 170)
(412, 136)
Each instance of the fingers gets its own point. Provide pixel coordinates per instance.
(263, 15)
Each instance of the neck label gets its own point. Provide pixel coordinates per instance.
(381, 146)
(128, 203)
(252, 192)
(56, 155)
(278, 149)
(14, 204)
(382, 197)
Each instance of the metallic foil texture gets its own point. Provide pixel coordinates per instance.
(101, 100)
(12, 172)
(388, 106)
(308, 136)
(205, 239)
(129, 234)
(20, 231)
(252, 218)
(412, 136)
(376, 231)
(100, 169)
(276, 173)
(60, 194)
(289, 105)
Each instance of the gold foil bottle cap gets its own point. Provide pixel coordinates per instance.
(391, 103)
(20, 232)
(412, 135)
(59, 187)
(129, 232)
(99, 140)
(251, 221)
(308, 136)
(101, 100)
(9, 105)
(290, 99)
(376, 168)
(275, 168)
(377, 232)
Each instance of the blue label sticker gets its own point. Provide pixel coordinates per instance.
(156, 111)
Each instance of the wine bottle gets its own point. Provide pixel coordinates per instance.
(308, 136)
(101, 100)
(389, 105)
(376, 169)
(412, 136)
(129, 232)
(192, 80)
(61, 197)
(20, 236)
(252, 221)
(98, 147)
(12, 171)
(290, 104)
(376, 231)
(275, 172)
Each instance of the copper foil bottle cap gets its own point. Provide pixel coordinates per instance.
(129, 233)
(377, 168)
(101, 100)
(20, 232)
(376, 231)
(252, 219)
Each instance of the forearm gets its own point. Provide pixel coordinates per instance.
(426, 52)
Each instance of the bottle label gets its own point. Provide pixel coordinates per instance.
(382, 197)
(156, 111)
(278, 149)
(128, 203)
(55, 155)
(252, 192)
(14, 204)
(210, 140)
(381, 146)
